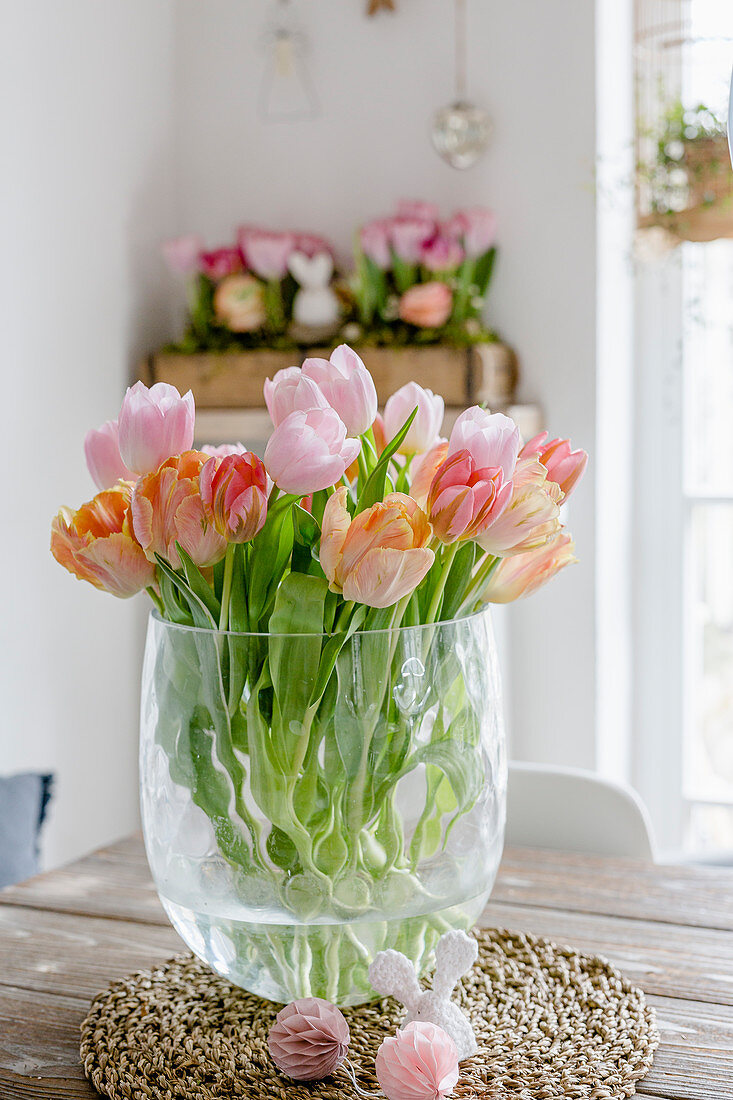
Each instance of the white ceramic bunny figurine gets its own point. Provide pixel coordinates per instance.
(315, 304)
(391, 974)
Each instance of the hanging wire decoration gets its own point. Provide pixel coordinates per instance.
(376, 6)
(461, 131)
(288, 93)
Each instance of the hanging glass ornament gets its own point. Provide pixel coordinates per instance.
(288, 92)
(461, 131)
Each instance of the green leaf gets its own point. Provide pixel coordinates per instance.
(198, 585)
(458, 580)
(374, 488)
(295, 658)
(484, 270)
(199, 612)
(269, 553)
(458, 761)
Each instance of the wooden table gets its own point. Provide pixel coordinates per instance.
(64, 935)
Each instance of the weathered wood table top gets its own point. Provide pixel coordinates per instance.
(66, 934)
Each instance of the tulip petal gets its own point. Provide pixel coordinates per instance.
(384, 576)
(336, 521)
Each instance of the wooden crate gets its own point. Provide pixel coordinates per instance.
(234, 380)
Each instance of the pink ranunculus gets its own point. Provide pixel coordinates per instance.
(267, 253)
(491, 438)
(409, 236)
(427, 305)
(564, 466)
(375, 238)
(224, 449)
(234, 492)
(289, 390)
(475, 228)
(420, 1062)
(167, 508)
(532, 516)
(220, 262)
(102, 452)
(154, 424)
(465, 498)
(417, 208)
(347, 385)
(309, 451)
(182, 254)
(239, 303)
(425, 428)
(381, 554)
(310, 244)
(521, 574)
(442, 254)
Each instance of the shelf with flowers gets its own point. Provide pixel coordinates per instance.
(322, 758)
(415, 296)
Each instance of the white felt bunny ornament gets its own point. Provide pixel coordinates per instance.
(315, 304)
(391, 974)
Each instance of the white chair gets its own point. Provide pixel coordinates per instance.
(575, 811)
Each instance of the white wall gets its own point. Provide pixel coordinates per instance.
(87, 193)
(532, 64)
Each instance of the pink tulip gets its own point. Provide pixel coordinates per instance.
(408, 236)
(234, 491)
(427, 305)
(220, 262)
(419, 1063)
(347, 386)
(182, 254)
(442, 254)
(425, 428)
(267, 253)
(475, 228)
(491, 438)
(309, 451)
(522, 574)
(465, 498)
(532, 516)
(565, 467)
(102, 452)
(224, 449)
(289, 390)
(416, 208)
(375, 238)
(167, 508)
(312, 245)
(379, 556)
(96, 544)
(154, 424)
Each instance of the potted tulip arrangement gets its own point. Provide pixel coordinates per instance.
(421, 280)
(322, 764)
(243, 295)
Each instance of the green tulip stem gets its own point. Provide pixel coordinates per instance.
(434, 608)
(226, 592)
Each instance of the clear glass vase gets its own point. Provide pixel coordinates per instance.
(309, 800)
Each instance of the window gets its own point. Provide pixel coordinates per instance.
(684, 393)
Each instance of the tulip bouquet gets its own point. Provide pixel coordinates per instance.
(298, 678)
(420, 280)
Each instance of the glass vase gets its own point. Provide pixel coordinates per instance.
(309, 800)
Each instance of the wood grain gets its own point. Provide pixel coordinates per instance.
(66, 934)
(228, 380)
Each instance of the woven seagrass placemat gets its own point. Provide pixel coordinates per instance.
(550, 1022)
